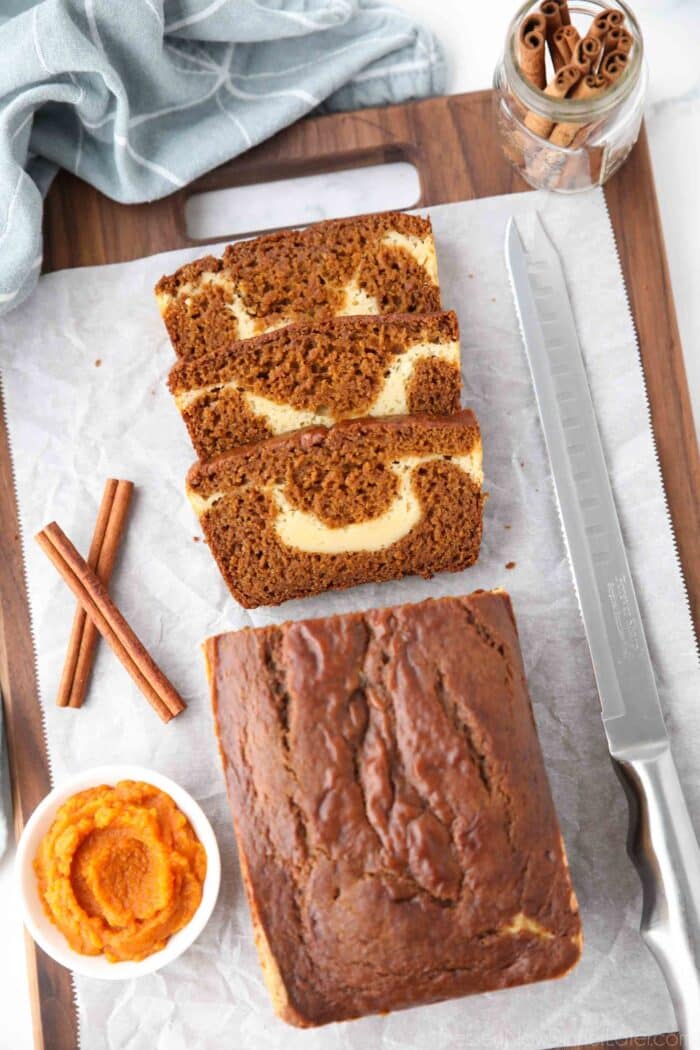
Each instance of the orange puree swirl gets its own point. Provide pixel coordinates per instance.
(120, 870)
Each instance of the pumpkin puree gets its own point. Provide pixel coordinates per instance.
(120, 870)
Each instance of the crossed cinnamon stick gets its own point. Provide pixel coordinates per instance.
(97, 612)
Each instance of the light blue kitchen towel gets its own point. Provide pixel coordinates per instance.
(139, 97)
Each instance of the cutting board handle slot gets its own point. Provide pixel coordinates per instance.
(244, 199)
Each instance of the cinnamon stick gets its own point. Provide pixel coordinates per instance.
(93, 596)
(587, 53)
(559, 87)
(552, 13)
(564, 44)
(109, 527)
(531, 38)
(615, 17)
(618, 39)
(564, 16)
(591, 85)
(76, 636)
(614, 65)
(600, 25)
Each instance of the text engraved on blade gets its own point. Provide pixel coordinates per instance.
(625, 620)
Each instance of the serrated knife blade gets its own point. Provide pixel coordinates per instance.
(662, 842)
(631, 710)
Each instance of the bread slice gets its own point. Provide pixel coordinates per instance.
(372, 264)
(395, 826)
(317, 373)
(365, 500)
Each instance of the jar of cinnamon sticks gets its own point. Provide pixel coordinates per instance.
(569, 91)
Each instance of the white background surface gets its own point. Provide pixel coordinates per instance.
(472, 35)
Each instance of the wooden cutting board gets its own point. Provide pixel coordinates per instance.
(452, 143)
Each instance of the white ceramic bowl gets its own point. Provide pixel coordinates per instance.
(49, 937)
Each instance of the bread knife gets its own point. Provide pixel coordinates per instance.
(661, 842)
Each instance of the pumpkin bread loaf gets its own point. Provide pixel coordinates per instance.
(395, 827)
(316, 373)
(372, 264)
(365, 500)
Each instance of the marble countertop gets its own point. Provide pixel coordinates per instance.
(473, 43)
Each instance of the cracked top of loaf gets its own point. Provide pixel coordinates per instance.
(396, 830)
(316, 373)
(371, 264)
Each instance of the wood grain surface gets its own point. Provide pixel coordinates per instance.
(452, 143)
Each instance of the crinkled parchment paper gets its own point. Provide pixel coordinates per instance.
(84, 364)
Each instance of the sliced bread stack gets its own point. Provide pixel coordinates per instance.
(320, 384)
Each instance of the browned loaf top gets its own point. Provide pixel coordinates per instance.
(365, 500)
(395, 827)
(316, 373)
(372, 264)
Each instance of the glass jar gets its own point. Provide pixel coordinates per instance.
(605, 128)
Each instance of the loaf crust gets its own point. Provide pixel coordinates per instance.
(422, 472)
(318, 373)
(396, 831)
(380, 264)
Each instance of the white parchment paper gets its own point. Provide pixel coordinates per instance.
(84, 364)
